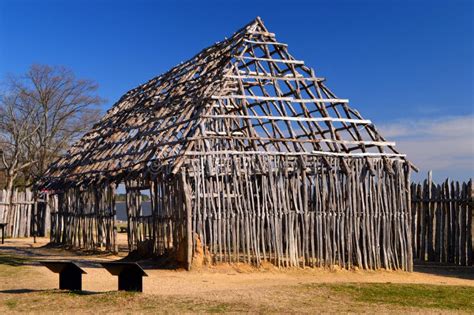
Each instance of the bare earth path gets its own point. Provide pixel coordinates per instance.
(225, 287)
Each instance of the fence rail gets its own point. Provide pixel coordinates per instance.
(442, 225)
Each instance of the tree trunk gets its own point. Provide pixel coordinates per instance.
(9, 207)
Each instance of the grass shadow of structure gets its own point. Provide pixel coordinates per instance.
(56, 292)
(18, 291)
(14, 261)
(444, 270)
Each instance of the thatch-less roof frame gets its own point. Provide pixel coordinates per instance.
(244, 95)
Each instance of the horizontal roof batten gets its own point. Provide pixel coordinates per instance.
(360, 154)
(270, 77)
(222, 106)
(265, 43)
(224, 133)
(250, 72)
(341, 154)
(277, 98)
(296, 62)
(262, 98)
(221, 135)
(319, 100)
(262, 33)
(313, 119)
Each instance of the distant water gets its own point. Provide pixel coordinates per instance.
(122, 211)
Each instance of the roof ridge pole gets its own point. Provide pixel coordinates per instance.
(259, 20)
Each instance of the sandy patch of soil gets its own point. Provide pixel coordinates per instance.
(213, 280)
(27, 286)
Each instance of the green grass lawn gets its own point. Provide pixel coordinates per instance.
(410, 295)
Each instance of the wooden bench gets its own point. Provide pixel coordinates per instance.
(70, 274)
(130, 275)
(2, 226)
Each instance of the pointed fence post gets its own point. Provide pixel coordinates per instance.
(189, 218)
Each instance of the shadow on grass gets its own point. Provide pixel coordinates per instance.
(444, 270)
(19, 291)
(78, 251)
(76, 293)
(56, 292)
(13, 260)
(16, 256)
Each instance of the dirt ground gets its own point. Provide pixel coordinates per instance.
(231, 284)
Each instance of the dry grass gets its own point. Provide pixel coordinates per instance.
(341, 298)
(25, 286)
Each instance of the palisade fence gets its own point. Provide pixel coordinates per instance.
(442, 223)
(25, 215)
(442, 220)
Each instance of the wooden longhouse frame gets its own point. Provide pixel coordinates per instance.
(248, 157)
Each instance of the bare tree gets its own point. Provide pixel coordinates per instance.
(41, 114)
(16, 127)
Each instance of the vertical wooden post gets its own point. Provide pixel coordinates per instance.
(189, 217)
(410, 218)
(112, 188)
(431, 217)
(470, 202)
(35, 216)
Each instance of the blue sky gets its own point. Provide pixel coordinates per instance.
(406, 65)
